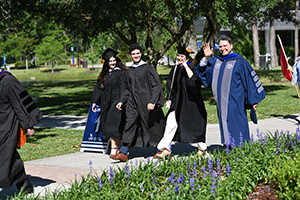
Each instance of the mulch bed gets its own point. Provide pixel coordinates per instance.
(263, 192)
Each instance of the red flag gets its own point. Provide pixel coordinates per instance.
(284, 65)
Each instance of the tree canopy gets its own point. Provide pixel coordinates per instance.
(155, 24)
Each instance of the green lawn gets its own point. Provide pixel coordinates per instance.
(48, 142)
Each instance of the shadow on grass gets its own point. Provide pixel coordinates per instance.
(63, 98)
(285, 116)
(50, 70)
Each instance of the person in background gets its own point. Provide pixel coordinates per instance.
(186, 119)
(142, 98)
(296, 75)
(235, 87)
(18, 111)
(107, 93)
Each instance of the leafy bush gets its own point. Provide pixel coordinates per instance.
(19, 64)
(285, 175)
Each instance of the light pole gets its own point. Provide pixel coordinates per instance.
(77, 52)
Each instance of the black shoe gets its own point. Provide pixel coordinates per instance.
(25, 186)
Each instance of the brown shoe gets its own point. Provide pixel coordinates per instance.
(119, 156)
(162, 154)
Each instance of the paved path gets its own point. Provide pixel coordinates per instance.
(57, 172)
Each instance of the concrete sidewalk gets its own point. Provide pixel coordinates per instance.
(54, 173)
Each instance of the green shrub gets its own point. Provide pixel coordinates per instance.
(286, 176)
(19, 64)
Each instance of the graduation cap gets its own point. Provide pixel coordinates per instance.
(253, 116)
(108, 53)
(184, 50)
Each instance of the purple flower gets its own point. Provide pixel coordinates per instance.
(228, 169)
(241, 139)
(176, 189)
(195, 164)
(210, 164)
(214, 175)
(218, 166)
(180, 179)
(189, 168)
(252, 138)
(142, 187)
(227, 148)
(277, 143)
(75, 175)
(213, 187)
(195, 169)
(100, 184)
(127, 171)
(232, 140)
(154, 180)
(90, 164)
(172, 178)
(111, 174)
(291, 140)
(192, 183)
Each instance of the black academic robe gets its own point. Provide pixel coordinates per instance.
(112, 120)
(17, 108)
(143, 128)
(187, 102)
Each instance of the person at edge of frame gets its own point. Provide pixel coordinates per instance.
(18, 111)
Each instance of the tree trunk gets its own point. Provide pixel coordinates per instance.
(296, 30)
(273, 50)
(210, 32)
(26, 63)
(255, 43)
(65, 49)
(189, 40)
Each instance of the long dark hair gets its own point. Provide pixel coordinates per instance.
(105, 70)
(192, 60)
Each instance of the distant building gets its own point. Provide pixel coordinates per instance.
(285, 30)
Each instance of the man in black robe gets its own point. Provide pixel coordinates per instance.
(143, 98)
(17, 110)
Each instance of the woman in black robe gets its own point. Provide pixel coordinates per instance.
(17, 111)
(187, 117)
(107, 94)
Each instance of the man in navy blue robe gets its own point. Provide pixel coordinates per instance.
(235, 87)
